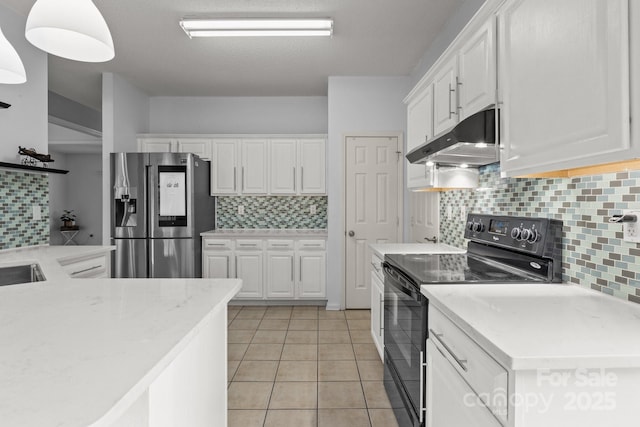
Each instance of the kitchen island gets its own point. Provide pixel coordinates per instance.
(112, 352)
(532, 355)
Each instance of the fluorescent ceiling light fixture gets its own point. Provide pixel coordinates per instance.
(72, 29)
(11, 68)
(257, 27)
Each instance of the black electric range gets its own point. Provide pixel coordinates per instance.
(501, 250)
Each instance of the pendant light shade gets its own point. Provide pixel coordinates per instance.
(72, 29)
(11, 68)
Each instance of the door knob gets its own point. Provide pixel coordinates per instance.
(351, 233)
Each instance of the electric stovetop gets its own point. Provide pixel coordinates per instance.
(454, 268)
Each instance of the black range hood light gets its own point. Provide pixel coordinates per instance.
(471, 142)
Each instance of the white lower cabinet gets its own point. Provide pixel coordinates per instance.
(450, 400)
(270, 268)
(377, 305)
(88, 266)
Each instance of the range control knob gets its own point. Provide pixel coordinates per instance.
(470, 225)
(525, 234)
(478, 227)
(533, 236)
(516, 233)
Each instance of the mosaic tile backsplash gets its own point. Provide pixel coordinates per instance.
(261, 212)
(18, 193)
(594, 254)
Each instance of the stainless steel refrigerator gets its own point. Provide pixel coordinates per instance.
(159, 206)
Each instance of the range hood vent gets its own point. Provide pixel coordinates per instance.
(471, 142)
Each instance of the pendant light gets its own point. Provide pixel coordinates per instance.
(11, 68)
(72, 29)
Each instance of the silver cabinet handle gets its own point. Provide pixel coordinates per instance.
(236, 267)
(381, 314)
(300, 269)
(235, 176)
(86, 269)
(460, 362)
(242, 178)
(458, 84)
(423, 407)
(294, 178)
(228, 269)
(301, 178)
(450, 103)
(292, 262)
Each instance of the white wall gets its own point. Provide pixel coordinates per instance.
(125, 113)
(269, 114)
(356, 104)
(25, 122)
(80, 191)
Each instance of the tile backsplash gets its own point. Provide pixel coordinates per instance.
(594, 254)
(19, 192)
(261, 212)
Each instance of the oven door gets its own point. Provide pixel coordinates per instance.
(405, 317)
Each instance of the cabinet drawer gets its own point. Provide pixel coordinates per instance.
(94, 266)
(273, 244)
(311, 244)
(483, 374)
(215, 244)
(247, 244)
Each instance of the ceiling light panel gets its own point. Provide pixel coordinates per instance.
(196, 27)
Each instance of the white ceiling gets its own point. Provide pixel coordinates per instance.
(371, 37)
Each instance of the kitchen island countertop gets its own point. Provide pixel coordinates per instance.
(80, 352)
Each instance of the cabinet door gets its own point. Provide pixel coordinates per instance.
(253, 174)
(477, 71)
(249, 268)
(282, 162)
(157, 145)
(217, 265)
(312, 166)
(445, 96)
(311, 274)
(564, 79)
(419, 129)
(450, 402)
(198, 146)
(224, 167)
(280, 274)
(377, 313)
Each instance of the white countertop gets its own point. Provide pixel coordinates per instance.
(48, 257)
(77, 351)
(414, 248)
(267, 232)
(554, 326)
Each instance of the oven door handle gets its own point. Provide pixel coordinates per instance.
(404, 289)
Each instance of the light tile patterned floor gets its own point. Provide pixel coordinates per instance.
(304, 367)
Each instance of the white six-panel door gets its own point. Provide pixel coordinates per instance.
(372, 208)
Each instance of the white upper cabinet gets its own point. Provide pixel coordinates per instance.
(419, 129)
(312, 161)
(199, 146)
(445, 96)
(253, 173)
(283, 166)
(564, 84)
(477, 71)
(224, 166)
(157, 145)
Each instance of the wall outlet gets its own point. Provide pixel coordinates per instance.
(36, 212)
(312, 209)
(631, 230)
(240, 209)
(449, 212)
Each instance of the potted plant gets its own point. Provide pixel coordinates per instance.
(68, 219)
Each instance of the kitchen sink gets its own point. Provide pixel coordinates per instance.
(20, 274)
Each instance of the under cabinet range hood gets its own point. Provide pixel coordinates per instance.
(471, 143)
